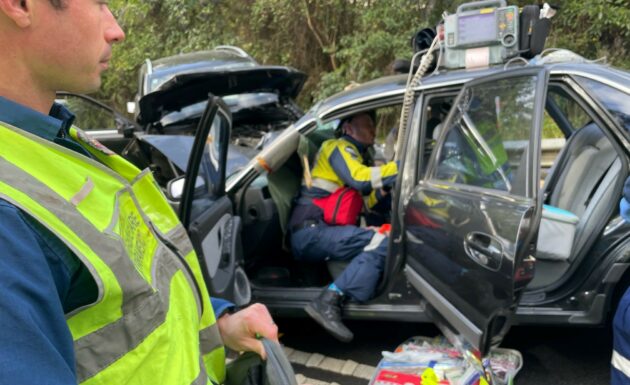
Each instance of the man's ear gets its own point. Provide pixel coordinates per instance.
(346, 128)
(19, 11)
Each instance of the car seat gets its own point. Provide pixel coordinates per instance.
(581, 181)
(284, 183)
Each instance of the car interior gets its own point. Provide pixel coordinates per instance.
(265, 208)
(588, 159)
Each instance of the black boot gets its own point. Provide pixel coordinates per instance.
(326, 311)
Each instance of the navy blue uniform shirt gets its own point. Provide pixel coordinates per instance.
(40, 278)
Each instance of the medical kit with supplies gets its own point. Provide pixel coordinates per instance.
(434, 361)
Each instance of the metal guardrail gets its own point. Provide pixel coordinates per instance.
(550, 150)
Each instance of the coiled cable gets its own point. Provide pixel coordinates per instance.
(412, 83)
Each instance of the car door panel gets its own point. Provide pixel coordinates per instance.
(480, 282)
(216, 236)
(470, 225)
(207, 212)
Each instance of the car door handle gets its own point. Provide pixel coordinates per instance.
(484, 249)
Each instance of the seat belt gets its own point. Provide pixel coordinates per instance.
(599, 181)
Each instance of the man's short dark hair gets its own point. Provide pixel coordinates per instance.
(339, 131)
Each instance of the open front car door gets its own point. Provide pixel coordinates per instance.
(471, 223)
(207, 212)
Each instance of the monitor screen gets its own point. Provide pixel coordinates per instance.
(476, 28)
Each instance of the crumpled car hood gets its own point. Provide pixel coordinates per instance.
(177, 149)
(186, 89)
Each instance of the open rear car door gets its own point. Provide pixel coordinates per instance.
(207, 212)
(471, 224)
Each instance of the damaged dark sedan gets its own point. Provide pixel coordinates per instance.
(171, 98)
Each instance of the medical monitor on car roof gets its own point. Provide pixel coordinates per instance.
(480, 34)
(477, 28)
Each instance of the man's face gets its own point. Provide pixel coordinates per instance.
(71, 46)
(361, 128)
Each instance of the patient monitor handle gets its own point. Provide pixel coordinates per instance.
(481, 4)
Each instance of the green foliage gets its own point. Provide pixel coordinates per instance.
(335, 42)
(596, 28)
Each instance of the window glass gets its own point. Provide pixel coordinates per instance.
(551, 130)
(435, 111)
(212, 151)
(214, 141)
(487, 138)
(615, 101)
(209, 174)
(89, 116)
(569, 107)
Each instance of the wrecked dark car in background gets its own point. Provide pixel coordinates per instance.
(172, 96)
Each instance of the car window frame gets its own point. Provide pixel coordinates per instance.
(568, 131)
(622, 135)
(454, 90)
(600, 114)
(346, 109)
(531, 151)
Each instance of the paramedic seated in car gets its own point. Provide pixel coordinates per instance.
(324, 220)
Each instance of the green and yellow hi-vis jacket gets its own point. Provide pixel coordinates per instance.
(339, 163)
(152, 322)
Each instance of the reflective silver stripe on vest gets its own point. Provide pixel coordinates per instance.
(98, 350)
(87, 188)
(179, 237)
(210, 339)
(325, 185)
(621, 363)
(202, 378)
(181, 261)
(377, 179)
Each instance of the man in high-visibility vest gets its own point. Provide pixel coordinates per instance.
(620, 370)
(99, 283)
(343, 164)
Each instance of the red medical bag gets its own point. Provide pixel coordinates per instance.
(342, 207)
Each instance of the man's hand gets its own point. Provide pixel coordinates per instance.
(239, 330)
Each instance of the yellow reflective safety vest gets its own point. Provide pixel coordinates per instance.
(152, 322)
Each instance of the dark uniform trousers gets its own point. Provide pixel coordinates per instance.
(364, 249)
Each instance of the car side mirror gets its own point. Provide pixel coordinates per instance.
(175, 187)
(124, 127)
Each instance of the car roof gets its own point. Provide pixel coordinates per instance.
(396, 84)
(389, 84)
